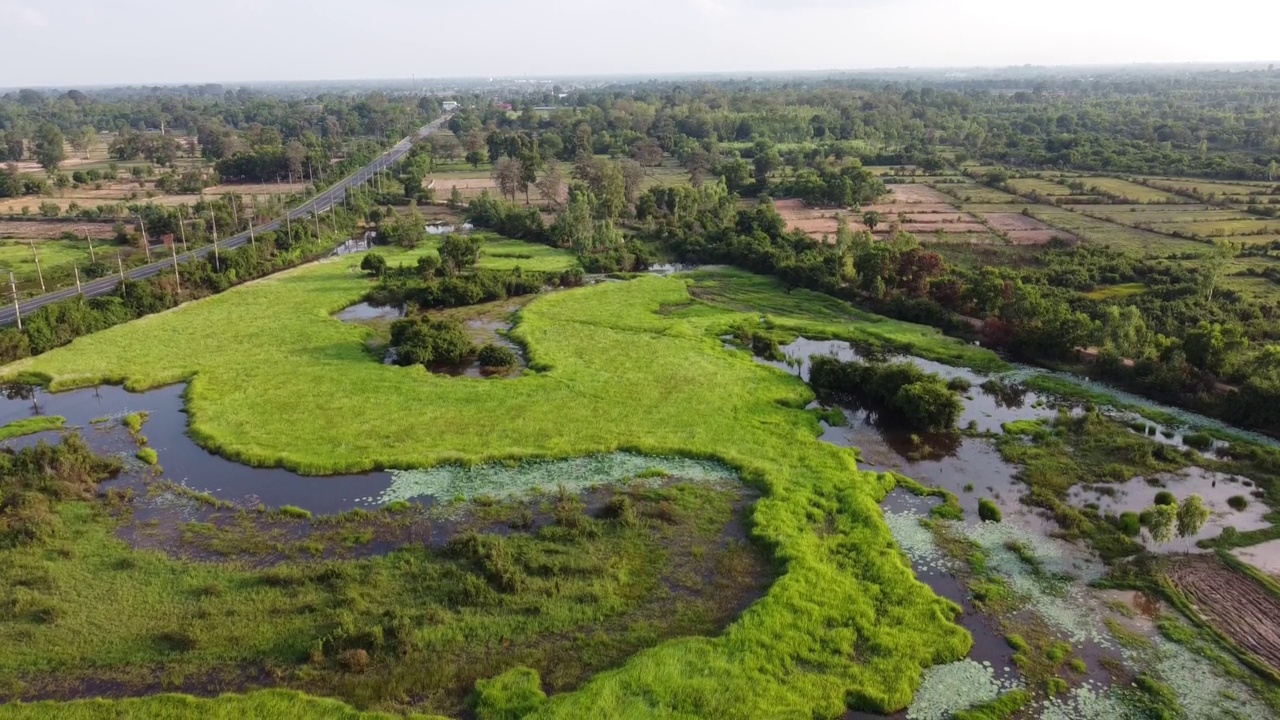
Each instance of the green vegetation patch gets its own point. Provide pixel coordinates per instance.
(31, 426)
(818, 316)
(267, 359)
(577, 592)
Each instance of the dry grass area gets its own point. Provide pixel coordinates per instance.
(52, 229)
(110, 193)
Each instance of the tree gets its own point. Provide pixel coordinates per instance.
(49, 151)
(871, 219)
(1273, 170)
(647, 152)
(1162, 523)
(1192, 515)
(551, 184)
(506, 174)
(374, 264)
(82, 139)
(459, 252)
(632, 176)
(475, 157)
(528, 164)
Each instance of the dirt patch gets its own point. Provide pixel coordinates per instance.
(38, 230)
(1234, 604)
(1010, 222)
(912, 194)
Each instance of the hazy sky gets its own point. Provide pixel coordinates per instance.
(81, 42)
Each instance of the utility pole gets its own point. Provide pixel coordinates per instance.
(173, 250)
(146, 244)
(78, 290)
(17, 309)
(253, 242)
(235, 215)
(120, 263)
(92, 257)
(182, 229)
(39, 272)
(316, 216)
(288, 224)
(217, 261)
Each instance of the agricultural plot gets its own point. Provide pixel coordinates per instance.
(122, 193)
(51, 229)
(1241, 229)
(1212, 188)
(1142, 215)
(1027, 186)
(972, 192)
(1125, 239)
(1131, 191)
(1024, 229)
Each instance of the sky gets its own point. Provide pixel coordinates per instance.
(70, 43)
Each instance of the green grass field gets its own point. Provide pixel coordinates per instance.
(638, 366)
(972, 192)
(56, 256)
(1210, 187)
(500, 253)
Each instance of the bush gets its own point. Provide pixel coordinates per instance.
(354, 660)
(374, 264)
(496, 356)
(148, 456)
(1237, 502)
(427, 342)
(1164, 497)
(1130, 524)
(988, 510)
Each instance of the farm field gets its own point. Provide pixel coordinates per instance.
(1132, 241)
(972, 192)
(1118, 188)
(1026, 186)
(1211, 188)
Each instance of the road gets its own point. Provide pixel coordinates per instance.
(331, 196)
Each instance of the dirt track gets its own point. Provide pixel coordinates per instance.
(1234, 604)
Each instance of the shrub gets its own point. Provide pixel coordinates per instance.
(1164, 497)
(427, 341)
(988, 510)
(148, 456)
(1237, 502)
(496, 356)
(374, 264)
(1130, 524)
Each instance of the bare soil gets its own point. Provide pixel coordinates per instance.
(1234, 604)
(38, 230)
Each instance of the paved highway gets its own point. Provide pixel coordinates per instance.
(331, 196)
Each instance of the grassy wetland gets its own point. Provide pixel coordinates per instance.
(634, 366)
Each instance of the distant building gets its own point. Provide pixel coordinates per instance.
(449, 105)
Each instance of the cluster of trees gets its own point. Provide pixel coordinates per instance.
(899, 393)
(34, 479)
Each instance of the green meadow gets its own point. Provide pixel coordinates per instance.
(621, 366)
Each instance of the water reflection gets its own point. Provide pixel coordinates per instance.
(183, 461)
